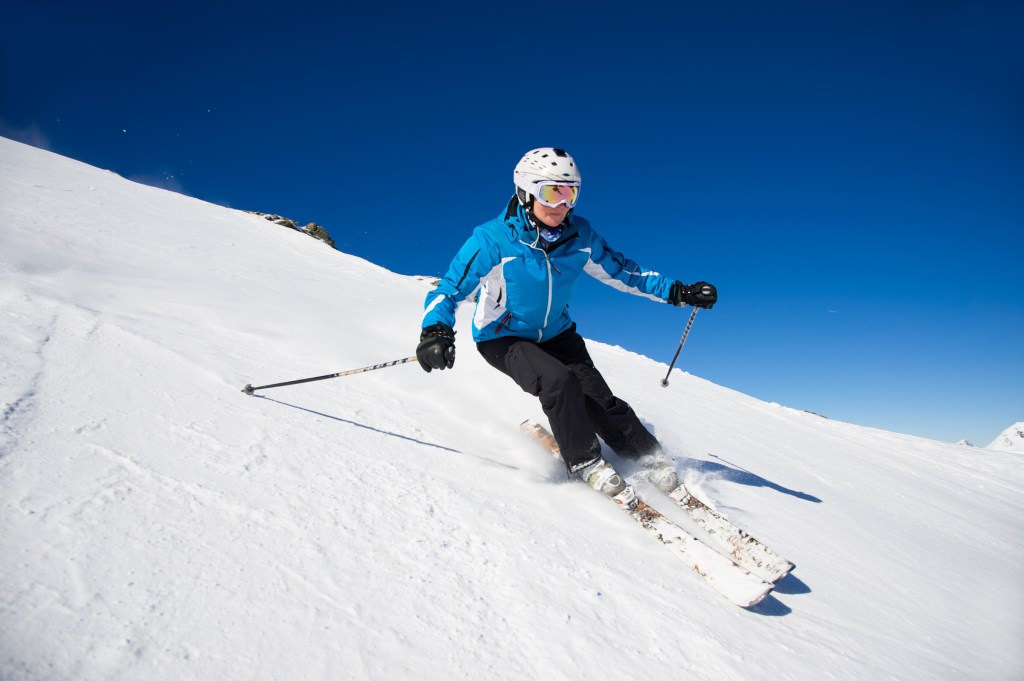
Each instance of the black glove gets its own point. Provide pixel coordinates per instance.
(437, 348)
(701, 294)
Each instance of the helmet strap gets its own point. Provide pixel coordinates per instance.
(525, 200)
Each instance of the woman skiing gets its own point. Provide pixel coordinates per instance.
(524, 265)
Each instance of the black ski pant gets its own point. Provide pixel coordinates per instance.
(575, 397)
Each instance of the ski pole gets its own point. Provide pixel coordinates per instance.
(686, 332)
(249, 389)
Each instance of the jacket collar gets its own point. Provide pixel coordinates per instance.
(522, 228)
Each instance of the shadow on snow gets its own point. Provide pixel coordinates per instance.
(360, 425)
(732, 473)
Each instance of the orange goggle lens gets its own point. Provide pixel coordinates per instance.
(552, 195)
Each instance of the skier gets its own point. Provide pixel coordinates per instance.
(525, 264)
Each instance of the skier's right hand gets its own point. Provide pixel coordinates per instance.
(437, 348)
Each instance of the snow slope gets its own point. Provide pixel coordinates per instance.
(1010, 440)
(157, 523)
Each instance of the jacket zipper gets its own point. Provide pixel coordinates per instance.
(551, 283)
(551, 286)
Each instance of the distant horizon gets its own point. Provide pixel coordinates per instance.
(847, 176)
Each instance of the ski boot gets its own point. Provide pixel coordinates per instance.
(664, 476)
(657, 468)
(601, 476)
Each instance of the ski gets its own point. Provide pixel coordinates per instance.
(731, 580)
(744, 549)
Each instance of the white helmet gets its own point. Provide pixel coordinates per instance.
(546, 164)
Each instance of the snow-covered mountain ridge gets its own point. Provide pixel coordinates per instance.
(1010, 440)
(157, 523)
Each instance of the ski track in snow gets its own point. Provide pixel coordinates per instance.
(157, 523)
(26, 338)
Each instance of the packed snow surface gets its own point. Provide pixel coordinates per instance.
(157, 523)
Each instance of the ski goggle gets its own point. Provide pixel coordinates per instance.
(552, 194)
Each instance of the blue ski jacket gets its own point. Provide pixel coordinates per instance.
(524, 284)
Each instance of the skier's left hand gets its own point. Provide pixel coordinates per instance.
(701, 294)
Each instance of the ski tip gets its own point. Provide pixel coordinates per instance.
(786, 569)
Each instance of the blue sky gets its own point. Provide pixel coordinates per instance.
(849, 174)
